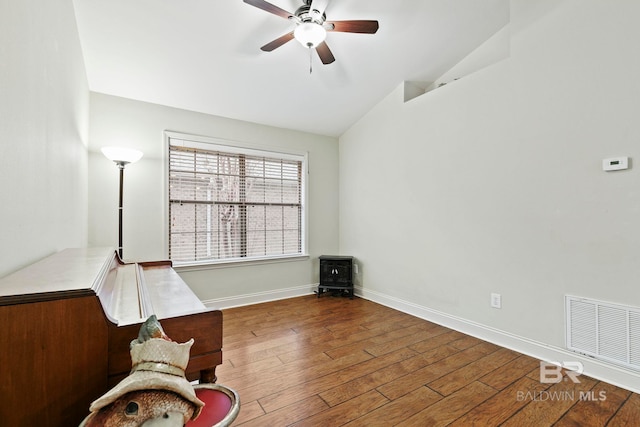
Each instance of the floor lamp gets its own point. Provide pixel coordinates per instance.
(121, 157)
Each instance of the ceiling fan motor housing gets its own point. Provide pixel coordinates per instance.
(306, 14)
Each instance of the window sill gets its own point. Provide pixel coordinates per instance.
(211, 265)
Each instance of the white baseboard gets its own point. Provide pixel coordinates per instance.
(603, 371)
(259, 297)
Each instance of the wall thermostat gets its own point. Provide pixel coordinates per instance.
(615, 164)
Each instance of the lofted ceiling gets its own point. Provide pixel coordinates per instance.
(204, 55)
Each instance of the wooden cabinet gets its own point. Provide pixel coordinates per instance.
(336, 274)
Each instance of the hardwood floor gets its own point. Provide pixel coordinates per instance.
(332, 361)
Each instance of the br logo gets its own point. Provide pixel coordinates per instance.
(555, 372)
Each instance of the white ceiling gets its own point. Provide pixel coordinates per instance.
(204, 55)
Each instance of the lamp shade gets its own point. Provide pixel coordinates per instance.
(122, 155)
(310, 34)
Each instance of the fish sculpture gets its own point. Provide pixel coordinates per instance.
(156, 392)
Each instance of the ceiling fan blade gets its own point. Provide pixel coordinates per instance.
(266, 6)
(325, 53)
(277, 42)
(362, 26)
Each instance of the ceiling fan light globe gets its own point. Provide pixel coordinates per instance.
(310, 34)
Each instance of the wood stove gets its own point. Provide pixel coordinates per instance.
(336, 274)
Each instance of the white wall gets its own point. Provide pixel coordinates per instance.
(44, 110)
(119, 121)
(493, 183)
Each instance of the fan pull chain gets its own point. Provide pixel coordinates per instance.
(310, 61)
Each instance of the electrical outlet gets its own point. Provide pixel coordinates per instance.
(496, 300)
(355, 268)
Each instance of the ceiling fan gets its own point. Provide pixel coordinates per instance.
(312, 26)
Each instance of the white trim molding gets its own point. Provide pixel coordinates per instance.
(615, 375)
(260, 297)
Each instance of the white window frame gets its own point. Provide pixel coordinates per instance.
(237, 147)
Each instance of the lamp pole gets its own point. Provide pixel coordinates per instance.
(121, 165)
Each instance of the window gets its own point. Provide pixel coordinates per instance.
(231, 203)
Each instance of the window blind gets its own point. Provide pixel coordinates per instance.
(227, 203)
